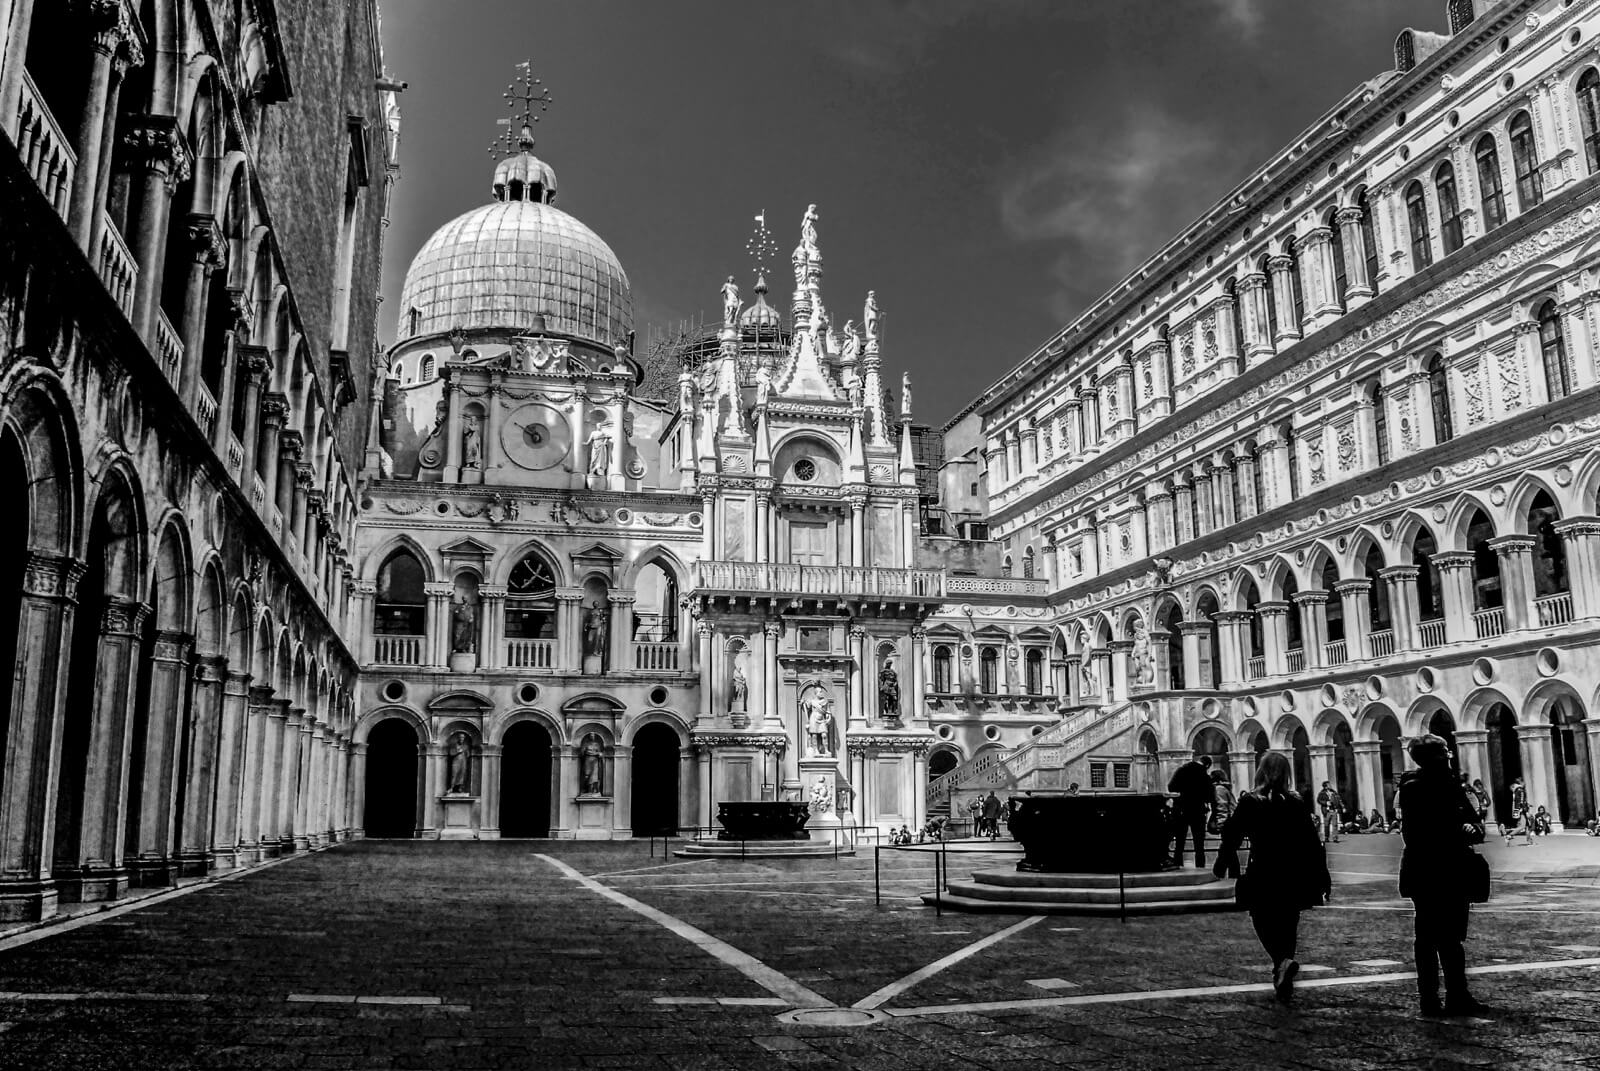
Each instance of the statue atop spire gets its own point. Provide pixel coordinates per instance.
(527, 91)
(808, 233)
(730, 303)
(869, 319)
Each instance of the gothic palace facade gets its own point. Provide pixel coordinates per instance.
(1319, 475)
(1322, 473)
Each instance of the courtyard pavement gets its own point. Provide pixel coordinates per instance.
(539, 954)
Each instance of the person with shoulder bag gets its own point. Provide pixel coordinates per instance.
(1288, 870)
(1440, 874)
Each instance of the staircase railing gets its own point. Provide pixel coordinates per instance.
(1062, 747)
(942, 787)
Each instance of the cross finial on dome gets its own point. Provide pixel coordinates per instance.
(761, 248)
(527, 91)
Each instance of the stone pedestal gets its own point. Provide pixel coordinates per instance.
(593, 664)
(825, 770)
(455, 816)
(463, 662)
(591, 818)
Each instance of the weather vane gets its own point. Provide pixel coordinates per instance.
(761, 248)
(527, 91)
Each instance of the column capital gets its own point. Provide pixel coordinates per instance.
(210, 669)
(366, 587)
(115, 30)
(1279, 262)
(1272, 609)
(291, 445)
(236, 684)
(255, 361)
(488, 591)
(274, 405)
(772, 629)
(207, 244)
(52, 576)
(171, 646)
(1578, 526)
(1399, 574)
(261, 694)
(154, 144)
(1194, 628)
(1234, 617)
(1349, 216)
(1353, 586)
(435, 589)
(1509, 545)
(123, 617)
(1310, 598)
(1449, 560)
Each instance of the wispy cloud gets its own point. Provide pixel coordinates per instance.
(1110, 194)
(888, 37)
(1245, 15)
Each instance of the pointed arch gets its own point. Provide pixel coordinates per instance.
(211, 610)
(171, 580)
(1524, 489)
(40, 420)
(376, 558)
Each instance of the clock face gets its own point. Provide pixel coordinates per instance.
(536, 437)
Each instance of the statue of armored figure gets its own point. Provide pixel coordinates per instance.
(591, 766)
(888, 692)
(817, 708)
(740, 686)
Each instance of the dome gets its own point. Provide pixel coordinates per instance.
(524, 177)
(500, 266)
(759, 315)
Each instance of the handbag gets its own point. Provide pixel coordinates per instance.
(1475, 878)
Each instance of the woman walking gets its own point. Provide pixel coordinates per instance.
(1438, 872)
(1288, 870)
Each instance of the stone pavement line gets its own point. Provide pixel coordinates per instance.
(67, 925)
(772, 981)
(895, 988)
(1213, 990)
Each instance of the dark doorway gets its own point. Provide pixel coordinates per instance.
(1505, 758)
(1344, 766)
(1443, 726)
(941, 763)
(525, 781)
(13, 557)
(655, 781)
(1300, 758)
(391, 780)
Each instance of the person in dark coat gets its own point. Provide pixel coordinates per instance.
(991, 815)
(1439, 824)
(1193, 787)
(1288, 870)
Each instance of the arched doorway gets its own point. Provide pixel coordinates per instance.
(1505, 758)
(1569, 748)
(1206, 610)
(1214, 742)
(1344, 765)
(1300, 758)
(1391, 759)
(655, 781)
(942, 762)
(1442, 725)
(392, 772)
(13, 559)
(525, 781)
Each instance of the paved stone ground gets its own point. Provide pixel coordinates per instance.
(499, 955)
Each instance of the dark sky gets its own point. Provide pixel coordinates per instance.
(989, 167)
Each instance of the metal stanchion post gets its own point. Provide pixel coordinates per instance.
(877, 885)
(1122, 897)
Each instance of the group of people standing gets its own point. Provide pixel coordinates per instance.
(1287, 872)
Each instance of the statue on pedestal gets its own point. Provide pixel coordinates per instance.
(730, 303)
(852, 342)
(464, 626)
(888, 691)
(591, 766)
(458, 772)
(808, 232)
(741, 686)
(600, 450)
(869, 316)
(817, 708)
(1142, 664)
(595, 631)
(471, 444)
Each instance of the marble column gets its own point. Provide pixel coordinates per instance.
(1355, 601)
(153, 857)
(1455, 592)
(1322, 770)
(1580, 537)
(1369, 776)
(1472, 748)
(771, 674)
(1538, 769)
(1516, 579)
(231, 736)
(1313, 608)
(1358, 287)
(1280, 268)
(432, 758)
(154, 149)
(1275, 636)
(209, 250)
(1258, 344)
(274, 406)
(356, 794)
(111, 45)
(256, 365)
(491, 627)
(438, 622)
(858, 692)
(1403, 605)
(622, 791)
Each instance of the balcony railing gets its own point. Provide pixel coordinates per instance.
(1256, 668)
(834, 580)
(235, 457)
(169, 348)
(940, 788)
(1335, 653)
(45, 150)
(530, 654)
(208, 413)
(1490, 622)
(661, 656)
(118, 270)
(258, 492)
(1431, 633)
(1381, 643)
(1554, 609)
(398, 650)
(1296, 659)
(1005, 585)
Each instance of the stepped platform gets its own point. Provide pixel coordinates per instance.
(1166, 892)
(761, 849)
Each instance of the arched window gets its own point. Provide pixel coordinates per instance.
(1488, 592)
(1589, 116)
(989, 671)
(1231, 288)
(655, 608)
(425, 373)
(1007, 565)
(1341, 282)
(1272, 303)
(941, 669)
(1491, 195)
(1439, 396)
(1525, 161)
(1291, 454)
(1027, 563)
(1035, 664)
(400, 606)
(1444, 185)
(1553, 349)
(400, 371)
(413, 321)
(531, 600)
(1369, 240)
(1417, 220)
(1380, 422)
(1430, 606)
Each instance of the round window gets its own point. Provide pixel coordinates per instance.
(805, 469)
(658, 696)
(528, 693)
(394, 691)
(991, 732)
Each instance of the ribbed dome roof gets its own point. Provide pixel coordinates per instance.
(759, 314)
(502, 265)
(530, 171)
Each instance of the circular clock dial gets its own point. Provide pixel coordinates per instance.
(536, 437)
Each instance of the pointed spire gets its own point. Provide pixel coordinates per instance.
(763, 455)
(872, 383)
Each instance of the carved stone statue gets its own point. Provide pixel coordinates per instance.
(808, 231)
(464, 626)
(763, 384)
(596, 628)
(905, 395)
(821, 798)
(869, 316)
(471, 444)
(1141, 664)
(741, 687)
(600, 450)
(888, 691)
(852, 341)
(458, 772)
(591, 766)
(818, 710)
(1088, 681)
(730, 303)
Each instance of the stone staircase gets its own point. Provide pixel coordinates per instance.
(1015, 893)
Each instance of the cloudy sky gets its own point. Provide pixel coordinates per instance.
(989, 167)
